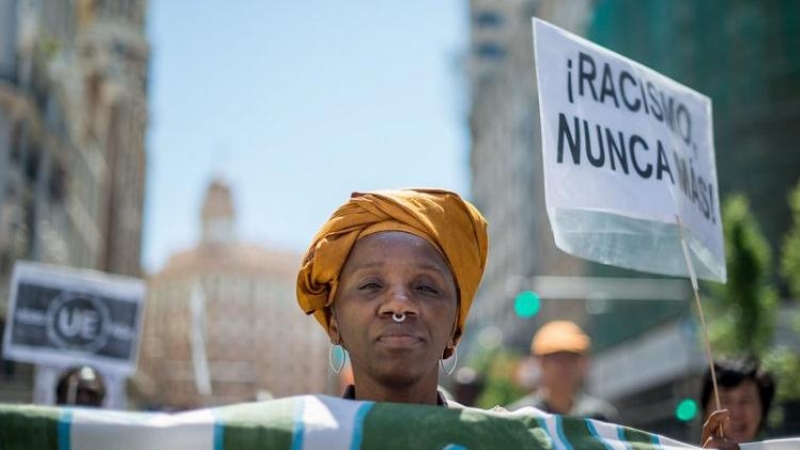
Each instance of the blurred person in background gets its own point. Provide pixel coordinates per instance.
(391, 277)
(745, 395)
(80, 386)
(560, 349)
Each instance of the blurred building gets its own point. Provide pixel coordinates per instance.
(222, 324)
(744, 55)
(507, 176)
(73, 114)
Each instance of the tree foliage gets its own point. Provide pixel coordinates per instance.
(782, 361)
(790, 260)
(742, 311)
(498, 368)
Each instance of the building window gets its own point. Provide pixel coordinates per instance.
(488, 19)
(488, 50)
(58, 184)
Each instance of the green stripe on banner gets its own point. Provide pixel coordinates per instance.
(593, 431)
(258, 426)
(579, 435)
(25, 427)
(639, 440)
(395, 426)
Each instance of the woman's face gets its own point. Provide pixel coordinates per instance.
(744, 404)
(386, 273)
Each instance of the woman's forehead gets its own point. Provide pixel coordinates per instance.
(388, 248)
(746, 386)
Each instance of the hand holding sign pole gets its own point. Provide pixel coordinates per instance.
(630, 176)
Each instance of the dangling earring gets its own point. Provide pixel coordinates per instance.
(455, 362)
(336, 369)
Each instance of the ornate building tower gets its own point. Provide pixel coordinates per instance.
(222, 322)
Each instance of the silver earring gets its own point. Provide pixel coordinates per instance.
(336, 369)
(455, 362)
(399, 317)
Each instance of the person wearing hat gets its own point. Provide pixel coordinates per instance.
(560, 349)
(391, 277)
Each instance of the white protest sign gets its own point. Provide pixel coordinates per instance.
(628, 153)
(64, 316)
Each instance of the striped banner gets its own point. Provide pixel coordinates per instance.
(321, 422)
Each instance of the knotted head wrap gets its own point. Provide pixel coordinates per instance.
(452, 225)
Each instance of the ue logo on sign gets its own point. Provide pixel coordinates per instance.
(78, 322)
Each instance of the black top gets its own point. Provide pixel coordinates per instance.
(350, 394)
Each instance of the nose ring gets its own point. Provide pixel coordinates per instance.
(399, 317)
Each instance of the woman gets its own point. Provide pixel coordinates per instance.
(745, 393)
(391, 277)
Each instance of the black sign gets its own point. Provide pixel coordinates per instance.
(80, 320)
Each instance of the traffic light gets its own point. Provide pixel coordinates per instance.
(686, 410)
(527, 304)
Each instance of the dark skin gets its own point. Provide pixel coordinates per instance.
(386, 273)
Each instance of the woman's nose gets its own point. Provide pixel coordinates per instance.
(399, 300)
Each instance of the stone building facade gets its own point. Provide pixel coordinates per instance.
(73, 115)
(222, 323)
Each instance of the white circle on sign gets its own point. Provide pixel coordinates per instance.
(78, 322)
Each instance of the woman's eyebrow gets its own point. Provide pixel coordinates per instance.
(367, 265)
(437, 268)
(380, 263)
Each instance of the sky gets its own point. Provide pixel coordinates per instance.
(297, 104)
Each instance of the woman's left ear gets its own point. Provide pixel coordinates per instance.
(333, 328)
(449, 349)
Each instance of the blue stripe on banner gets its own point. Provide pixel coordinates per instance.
(621, 436)
(595, 434)
(358, 425)
(560, 430)
(657, 441)
(64, 427)
(219, 431)
(299, 428)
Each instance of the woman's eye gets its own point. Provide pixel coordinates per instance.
(371, 285)
(429, 289)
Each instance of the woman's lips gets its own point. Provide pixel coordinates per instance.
(399, 339)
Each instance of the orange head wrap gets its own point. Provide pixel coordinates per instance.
(452, 225)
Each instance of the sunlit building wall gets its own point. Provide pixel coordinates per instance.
(108, 82)
(506, 165)
(256, 342)
(73, 96)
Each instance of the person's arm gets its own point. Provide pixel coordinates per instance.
(713, 436)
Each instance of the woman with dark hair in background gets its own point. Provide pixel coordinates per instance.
(745, 394)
